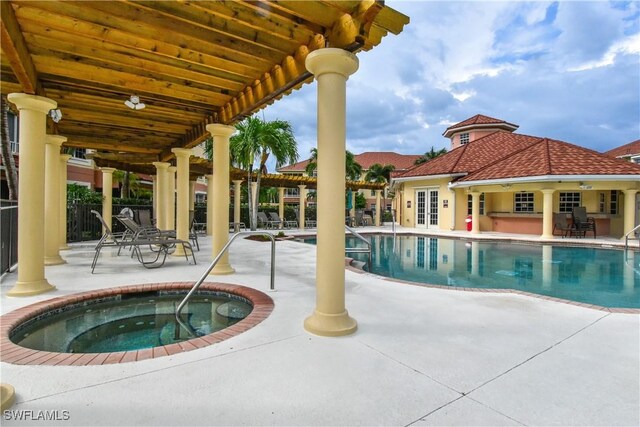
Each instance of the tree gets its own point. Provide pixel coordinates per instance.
(127, 181)
(429, 155)
(7, 156)
(353, 170)
(255, 141)
(382, 174)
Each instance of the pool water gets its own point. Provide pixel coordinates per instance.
(604, 277)
(125, 322)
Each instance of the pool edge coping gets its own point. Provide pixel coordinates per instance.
(14, 354)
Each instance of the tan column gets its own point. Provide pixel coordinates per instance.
(171, 197)
(220, 214)
(154, 195)
(192, 195)
(33, 118)
(331, 68)
(302, 204)
(161, 190)
(475, 212)
(62, 229)
(281, 205)
(52, 200)
(547, 214)
(352, 212)
(237, 198)
(209, 204)
(629, 210)
(378, 207)
(182, 189)
(107, 195)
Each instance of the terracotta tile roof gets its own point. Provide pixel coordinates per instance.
(503, 155)
(550, 157)
(473, 156)
(630, 149)
(366, 160)
(400, 161)
(481, 121)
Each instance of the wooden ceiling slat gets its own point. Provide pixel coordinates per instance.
(107, 146)
(48, 18)
(130, 121)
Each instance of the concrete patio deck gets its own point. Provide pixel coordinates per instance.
(421, 356)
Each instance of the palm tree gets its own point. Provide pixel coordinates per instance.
(353, 170)
(256, 140)
(379, 173)
(7, 156)
(429, 155)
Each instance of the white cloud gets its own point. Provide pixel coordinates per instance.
(626, 46)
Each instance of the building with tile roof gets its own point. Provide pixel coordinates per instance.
(630, 151)
(508, 182)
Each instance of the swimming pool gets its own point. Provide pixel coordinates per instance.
(604, 277)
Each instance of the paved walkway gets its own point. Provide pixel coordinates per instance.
(421, 356)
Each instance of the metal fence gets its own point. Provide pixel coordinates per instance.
(8, 235)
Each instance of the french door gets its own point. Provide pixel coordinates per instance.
(427, 208)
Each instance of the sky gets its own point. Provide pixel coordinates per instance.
(565, 70)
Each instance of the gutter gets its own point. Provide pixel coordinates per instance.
(546, 178)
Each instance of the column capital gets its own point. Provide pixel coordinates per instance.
(172, 169)
(548, 191)
(182, 152)
(108, 170)
(302, 187)
(331, 60)
(32, 102)
(218, 129)
(65, 157)
(56, 140)
(161, 165)
(235, 181)
(631, 191)
(378, 192)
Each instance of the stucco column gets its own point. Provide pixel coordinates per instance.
(475, 212)
(192, 196)
(154, 195)
(220, 213)
(209, 204)
(547, 213)
(281, 205)
(352, 212)
(161, 192)
(171, 197)
(107, 195)
(62, 229)
(302, 196)
(629, 210)
(331, 68)
(52, 200)
(237, 198)
(378, 207)
(33, 118)
(182, 196)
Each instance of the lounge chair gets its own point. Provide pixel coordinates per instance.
(265, 222)
(582, 222)
(285, 222)
(193, 236)
(311, 223)
(136, 238)
(561, 224)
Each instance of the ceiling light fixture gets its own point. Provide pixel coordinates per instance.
(56, 115)
(134, 103)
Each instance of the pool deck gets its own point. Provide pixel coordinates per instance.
(421, 356)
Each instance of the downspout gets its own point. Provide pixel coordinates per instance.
(453, 206)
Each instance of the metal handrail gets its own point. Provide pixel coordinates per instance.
(626, 236)
(359, 250)
(217, 258)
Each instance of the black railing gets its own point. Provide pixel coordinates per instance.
(8, 235)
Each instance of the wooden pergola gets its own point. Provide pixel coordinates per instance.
(191, 63)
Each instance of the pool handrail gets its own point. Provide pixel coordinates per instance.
(626, 236)
(217, 258)
(359, 250)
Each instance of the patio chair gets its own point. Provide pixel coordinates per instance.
(582, 222)
(311, 223)
(265, 222)
(561, 224)
(285, 222)
(136, 238)
(193, 236)
(143, 217)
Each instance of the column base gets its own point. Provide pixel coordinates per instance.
(26, 289)
(179, 252)
(7, 395)
(64, 248)
(222, 269)
(330, 325)
(547, 236)
(54, 260)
